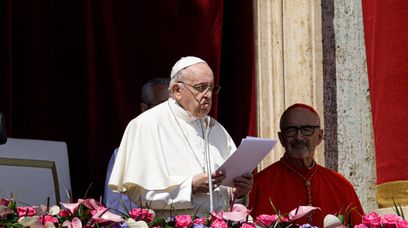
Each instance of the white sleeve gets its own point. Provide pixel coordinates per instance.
(176, 197)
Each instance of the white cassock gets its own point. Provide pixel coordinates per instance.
(161, 150)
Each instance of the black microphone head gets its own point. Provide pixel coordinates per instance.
(3, 130)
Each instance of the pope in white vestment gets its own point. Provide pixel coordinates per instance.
(164, 148)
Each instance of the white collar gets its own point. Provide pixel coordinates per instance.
(181, 113)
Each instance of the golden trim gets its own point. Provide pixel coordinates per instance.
(395, 190)
(36, 164)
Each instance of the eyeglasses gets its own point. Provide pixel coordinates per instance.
(201, 88)
(306, 130)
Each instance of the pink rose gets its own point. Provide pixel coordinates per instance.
(402, 224)
(390, 220)
(219, 224)
(47, 218)
(26, 211)
(201, 220)
(266, 220)
(372, 220)
(248, 225)
(183, 221)
(141, 214)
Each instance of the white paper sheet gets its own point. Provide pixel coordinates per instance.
(250, 152)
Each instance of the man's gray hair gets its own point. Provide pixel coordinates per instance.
(147, 89)
(177, 77)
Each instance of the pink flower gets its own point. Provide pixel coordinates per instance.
(63, 213)
(201, 220)
(372, 220)
(266, 220)
(248, 225)
(360, 226)
(301, 211)
(76, 223)
(47, 218)
(390, 220)
(102, 215)
(26, 211)
(5, 202)
(283, 219)
(183, 221)
(141, 214)
(218, 216)
(239, 213)
(92, 204)
(402, 224)
(218, 223)
(72, 207)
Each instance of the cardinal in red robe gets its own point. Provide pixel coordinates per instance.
(297, 180)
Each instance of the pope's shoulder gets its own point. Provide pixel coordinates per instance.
(152, 115)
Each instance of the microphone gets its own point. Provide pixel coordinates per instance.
(3, 130)
(208, 159)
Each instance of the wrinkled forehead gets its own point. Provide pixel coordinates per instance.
(198, 73)
(299, 117)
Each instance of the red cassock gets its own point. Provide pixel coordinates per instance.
(282, 184)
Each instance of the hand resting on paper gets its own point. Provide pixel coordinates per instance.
(243, 185)
(200, 181)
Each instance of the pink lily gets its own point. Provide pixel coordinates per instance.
(93, 204)
(72, 207)
(239, 213)
(102, 215)
(301, 211)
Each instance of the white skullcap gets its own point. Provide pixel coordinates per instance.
(183, 63)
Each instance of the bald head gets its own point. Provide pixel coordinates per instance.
(300, 133)
(300, 109)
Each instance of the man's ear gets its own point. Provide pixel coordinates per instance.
(320, 135)
(176, 91)
(281, 140)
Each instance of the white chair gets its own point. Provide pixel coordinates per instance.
(33, 170)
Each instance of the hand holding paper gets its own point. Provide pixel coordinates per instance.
(245, 159)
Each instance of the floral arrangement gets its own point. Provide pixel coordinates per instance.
(374, 220)
(92, 213)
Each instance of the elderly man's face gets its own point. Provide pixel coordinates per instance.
(301, 133)
(195, 78)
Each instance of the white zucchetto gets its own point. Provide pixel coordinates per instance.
(183, 63)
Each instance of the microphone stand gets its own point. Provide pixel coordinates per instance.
(208, 160)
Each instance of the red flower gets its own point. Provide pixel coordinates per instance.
(26, 211)
(47, 218)
(63, 213)
(141, 214)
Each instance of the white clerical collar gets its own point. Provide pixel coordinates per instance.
(180, 112)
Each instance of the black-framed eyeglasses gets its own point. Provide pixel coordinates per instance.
(306, 130)
(201, 88)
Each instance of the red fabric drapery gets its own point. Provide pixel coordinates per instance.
(386, 40)
(72, 71)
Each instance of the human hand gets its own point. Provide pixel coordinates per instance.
(200, 181)
(243, 185)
